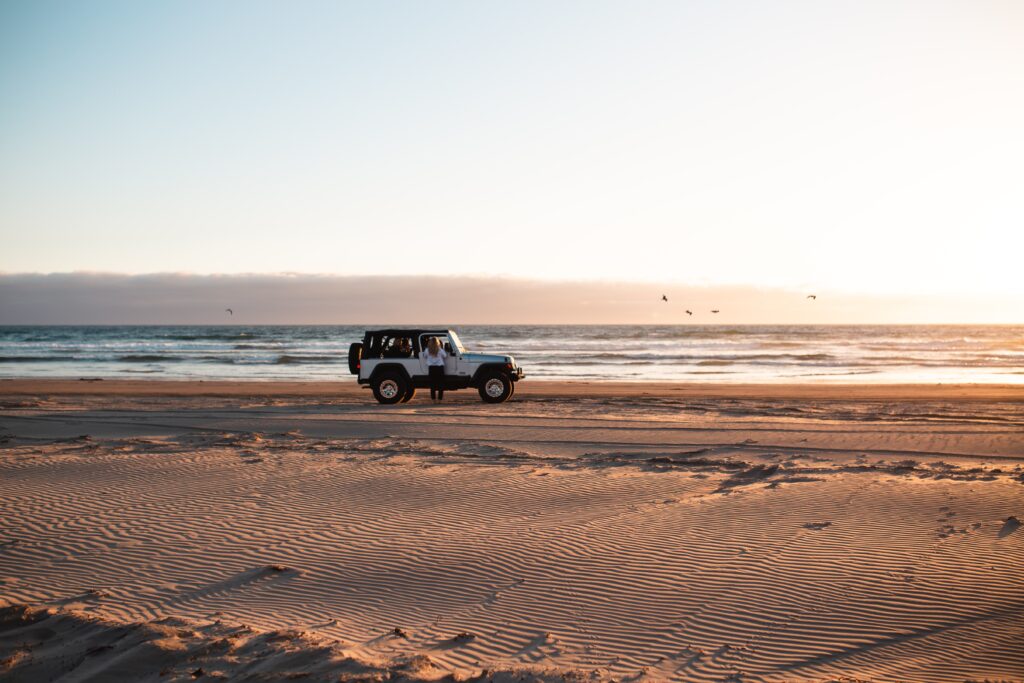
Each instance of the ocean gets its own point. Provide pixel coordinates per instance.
(650, 353)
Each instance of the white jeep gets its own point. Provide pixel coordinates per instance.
(389, 362)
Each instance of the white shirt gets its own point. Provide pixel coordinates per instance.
(434, 360)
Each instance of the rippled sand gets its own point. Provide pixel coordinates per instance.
(683, 535)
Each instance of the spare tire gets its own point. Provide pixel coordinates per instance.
(355, 354)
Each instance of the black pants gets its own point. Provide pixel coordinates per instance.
(436, 381)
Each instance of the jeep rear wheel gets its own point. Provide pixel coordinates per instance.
(496, 388)
(390, 388)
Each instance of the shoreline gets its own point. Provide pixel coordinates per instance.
(526, 389)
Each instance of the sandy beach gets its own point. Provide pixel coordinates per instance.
(166, 531)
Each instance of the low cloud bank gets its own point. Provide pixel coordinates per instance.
(89, 298)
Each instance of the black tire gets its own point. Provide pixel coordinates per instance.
(390, 387)
(355, 354)
(496, 388)
(410, 394)
(513, 391)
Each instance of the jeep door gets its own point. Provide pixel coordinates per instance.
(460, 367)
(450, 363)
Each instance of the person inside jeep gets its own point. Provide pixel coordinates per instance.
(400, 348)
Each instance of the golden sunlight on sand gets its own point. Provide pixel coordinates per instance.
(179, 531)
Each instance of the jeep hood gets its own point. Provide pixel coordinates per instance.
(486, 358)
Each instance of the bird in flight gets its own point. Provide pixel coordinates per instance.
(812, 296)
(689, 312)
(715, 311)
(664, 298)
(229, 311)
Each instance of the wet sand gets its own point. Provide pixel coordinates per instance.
(531, 387)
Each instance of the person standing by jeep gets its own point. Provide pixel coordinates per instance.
(434, 356)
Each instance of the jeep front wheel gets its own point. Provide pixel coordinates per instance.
(496, 388)
(390, 388)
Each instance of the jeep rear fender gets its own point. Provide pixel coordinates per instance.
(385, 367)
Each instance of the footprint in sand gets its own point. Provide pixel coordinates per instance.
(948, 530)
(541, 646)
(817, 526)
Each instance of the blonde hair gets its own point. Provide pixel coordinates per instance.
(433, 346)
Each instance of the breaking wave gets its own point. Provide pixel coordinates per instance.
(756, 353)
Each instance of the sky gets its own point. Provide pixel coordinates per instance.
(90, 298)
(862, 149)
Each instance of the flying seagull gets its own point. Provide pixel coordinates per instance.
(229, 311)
(812, 296)
(664, 298)
(715, 311)
(689, 312)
